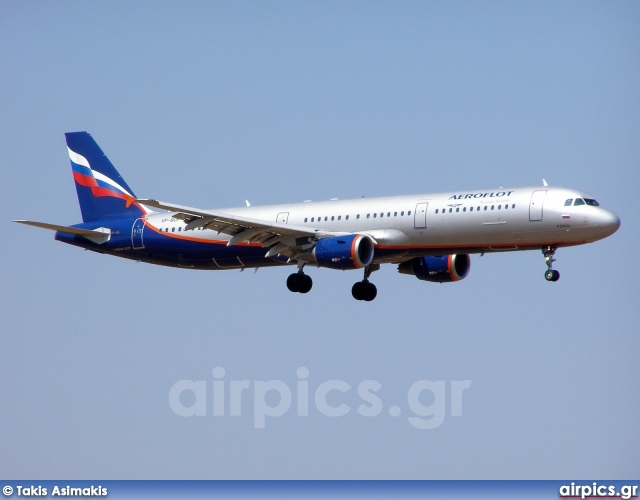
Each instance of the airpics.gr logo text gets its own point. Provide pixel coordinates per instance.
(426, 401)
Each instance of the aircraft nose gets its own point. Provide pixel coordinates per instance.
(609, 220)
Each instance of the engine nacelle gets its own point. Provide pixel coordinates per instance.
(438, 269)
(351, 251)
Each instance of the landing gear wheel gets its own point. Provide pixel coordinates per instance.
(299, 283)
(293, 282)
(370, 292)
(305, 283)
(363, 290)
(551, 275)
(357, 290)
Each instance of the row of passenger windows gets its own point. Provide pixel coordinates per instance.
(580, 201)
(346, 217)
(402, 213)
(486, 207)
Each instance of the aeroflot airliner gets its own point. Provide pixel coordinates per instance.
(429, 236)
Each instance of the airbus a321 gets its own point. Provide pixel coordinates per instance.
(429, 236)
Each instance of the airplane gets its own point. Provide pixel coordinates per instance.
(429, 236)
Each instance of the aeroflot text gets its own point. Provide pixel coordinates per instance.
(480, 195)
(332, 398)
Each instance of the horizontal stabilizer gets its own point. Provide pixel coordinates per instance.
(99, 235)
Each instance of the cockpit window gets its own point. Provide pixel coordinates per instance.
(568, 202)
(593, 203)
(579, 201)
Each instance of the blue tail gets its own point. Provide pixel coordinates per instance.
(102, 192)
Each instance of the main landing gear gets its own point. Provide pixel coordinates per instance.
(364, 290)
(550, 274)
(299, 282)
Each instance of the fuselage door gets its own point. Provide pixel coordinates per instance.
(136, 234)
(535, 206)
(283, 217)
(420, 216)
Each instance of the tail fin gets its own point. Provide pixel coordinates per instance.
(102, 192)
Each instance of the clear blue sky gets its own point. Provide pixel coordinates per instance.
(209, 103)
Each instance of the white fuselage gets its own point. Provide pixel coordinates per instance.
(471, 221)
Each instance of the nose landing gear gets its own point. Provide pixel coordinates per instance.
(550, 274)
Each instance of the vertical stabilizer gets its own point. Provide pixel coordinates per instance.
(102, 192)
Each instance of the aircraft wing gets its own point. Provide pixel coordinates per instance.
(280, 238)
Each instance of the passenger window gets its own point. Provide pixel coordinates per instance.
(485, 207)
(339, 217)
(305, 219)
(513, 206)
(395, 214)
(450, 210)
(506, 206)
(409, 212)
(579, 201)
(402, 213)
(358, 216)
(346, 217)
(568, 202)
(388, 214)
(173, 229)
(457, 209)
(492, 207)
(464, 209)
(332, 217)
(325, 218)
(470, 209)
(180, 229)
(499, 207)
(375, 215)
(160, 230)
(368, 215)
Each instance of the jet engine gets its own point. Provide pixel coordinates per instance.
(439, 268)
(351, 251)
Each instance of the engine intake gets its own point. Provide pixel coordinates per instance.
(345, 252)
(438, 269)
